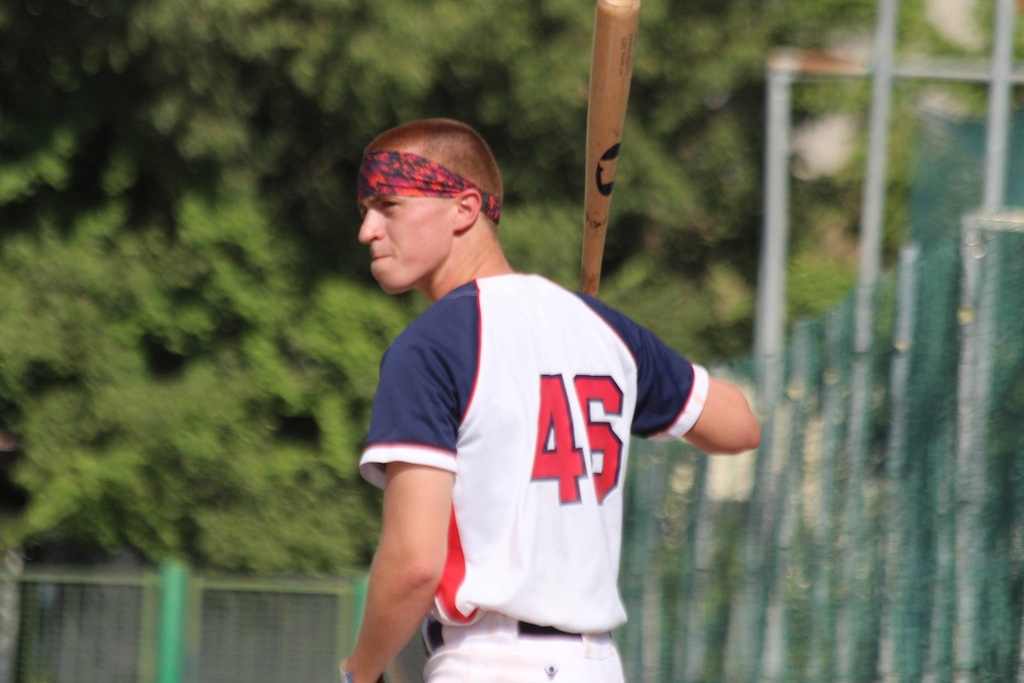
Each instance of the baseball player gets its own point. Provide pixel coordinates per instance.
(500, 433)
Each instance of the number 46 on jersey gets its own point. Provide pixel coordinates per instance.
(558, 454)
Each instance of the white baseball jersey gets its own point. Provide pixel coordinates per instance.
(529, 393)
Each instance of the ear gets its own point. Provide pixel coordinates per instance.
(468, 204)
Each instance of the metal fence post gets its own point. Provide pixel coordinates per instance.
(171, 634)
(998, 128)
(769, 329)
(11, 565)
(360, 586)
(893, 641)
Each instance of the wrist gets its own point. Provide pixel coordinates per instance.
(346, 673)
(346, 677)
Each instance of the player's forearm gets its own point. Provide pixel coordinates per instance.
(398, 598)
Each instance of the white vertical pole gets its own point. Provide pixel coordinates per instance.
(875, 182)
(980, 275)
(967, 468)
(821, 663)
(998, 128)
(852, 609)
(895, 516)
(770, 316)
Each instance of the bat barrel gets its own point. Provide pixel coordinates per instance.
(611, 70)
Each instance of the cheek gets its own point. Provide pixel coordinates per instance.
(430, 242)
(422, 238)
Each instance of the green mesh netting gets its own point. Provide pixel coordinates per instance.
(878, 533)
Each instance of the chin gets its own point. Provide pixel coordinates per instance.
(389, 284)
(392, 288)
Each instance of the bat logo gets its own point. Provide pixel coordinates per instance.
(612, 154)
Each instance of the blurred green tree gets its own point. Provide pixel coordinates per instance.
(188, 334)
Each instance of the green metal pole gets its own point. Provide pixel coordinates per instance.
(361, 582)
(173, 597)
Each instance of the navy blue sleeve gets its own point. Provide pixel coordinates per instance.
(664, 377)
(427, 375)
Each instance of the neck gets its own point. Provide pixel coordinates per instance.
(476, 254)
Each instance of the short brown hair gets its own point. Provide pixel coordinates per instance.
(452, 144)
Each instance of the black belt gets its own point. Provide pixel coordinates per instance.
(434, 638)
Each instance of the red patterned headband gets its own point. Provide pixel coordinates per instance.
(407, 175)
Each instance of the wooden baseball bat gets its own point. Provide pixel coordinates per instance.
(611, 68)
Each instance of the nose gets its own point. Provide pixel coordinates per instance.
(369, 230)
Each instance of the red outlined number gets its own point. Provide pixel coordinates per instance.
(557, 455)
(605, 445)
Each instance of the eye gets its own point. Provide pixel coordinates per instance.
(381, 204)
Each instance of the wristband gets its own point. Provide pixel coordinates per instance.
(346, 677)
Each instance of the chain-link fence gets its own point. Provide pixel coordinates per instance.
(878, 533)
(173, 626)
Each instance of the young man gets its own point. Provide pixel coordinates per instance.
(500, 433)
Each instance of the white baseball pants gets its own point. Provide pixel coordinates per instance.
(493, 650)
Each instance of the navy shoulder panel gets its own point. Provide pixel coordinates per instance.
(428, 373)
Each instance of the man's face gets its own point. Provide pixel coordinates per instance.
(410, 239)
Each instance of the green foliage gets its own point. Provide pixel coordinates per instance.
(182, 399)
(816, 285)
(189, 335)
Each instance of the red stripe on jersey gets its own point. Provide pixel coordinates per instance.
(453, 576)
